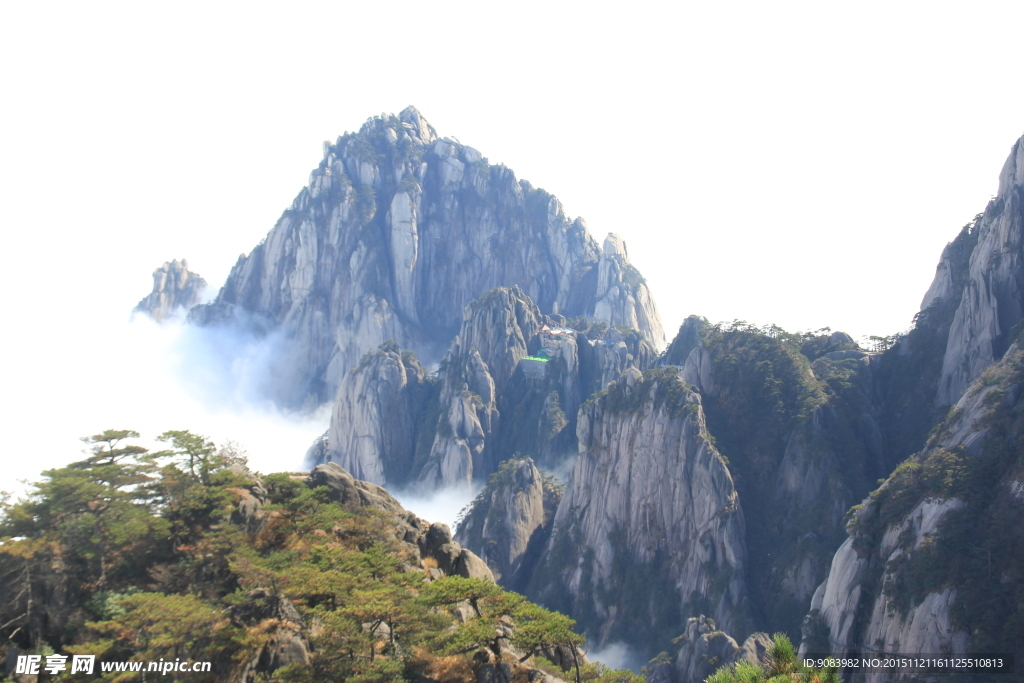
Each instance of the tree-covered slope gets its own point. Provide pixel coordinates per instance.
(184, 554)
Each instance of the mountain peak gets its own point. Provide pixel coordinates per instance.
(396, 232)
(409, 123)
(412, 117)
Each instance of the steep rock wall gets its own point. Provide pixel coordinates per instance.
(510, 521)
(795, 417)
(931, 561)
(483, 407)
(494, 337)
(992, 303)
(649, 529)
(396, 232)
(376, 417)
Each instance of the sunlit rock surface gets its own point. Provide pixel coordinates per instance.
(510, 521)
(992, 302)
(395, 233)
(511, 382)
(650, 522)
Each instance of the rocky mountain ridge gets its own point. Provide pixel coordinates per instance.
(711, 482)
(510, 521)
(511, 382)
(289, 576)
(396, 232)
(908, 579)
(652, 526)
(992, 300)
(928, 565)
(649, 526)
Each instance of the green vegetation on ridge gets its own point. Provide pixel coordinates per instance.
(136, 555)
(783, 667)
(978, 548)
(783, 404)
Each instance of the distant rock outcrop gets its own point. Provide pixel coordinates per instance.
(175, 288)
(494, 338)
(704, 649)
(396, 232)
(376, 416)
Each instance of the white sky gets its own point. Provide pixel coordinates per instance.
(796, 163)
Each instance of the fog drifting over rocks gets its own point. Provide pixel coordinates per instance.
(129, 372)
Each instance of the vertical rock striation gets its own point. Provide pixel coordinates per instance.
(932, 560)
(795, 417)
(992, 302)
(649, 529)
(376, 416)
(397, 231)
(510, 521)
(494, 337)
(488, 402)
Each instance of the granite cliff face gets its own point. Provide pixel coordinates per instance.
(175, 288)
(932, 560)
(992, 302)
(907, 375)
(511, 382)
(650, 530)
(928, 565)
(376, 417)
(795, 417)
(396, 232)
(511, 520)
(492, 341)
(966, 321)
(649, 527)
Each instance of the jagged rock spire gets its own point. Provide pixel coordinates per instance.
(175, 288)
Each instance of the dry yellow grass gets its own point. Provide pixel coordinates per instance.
(450, 669)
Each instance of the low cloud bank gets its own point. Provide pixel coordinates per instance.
(617, 656)
(132, 373)
(442, 505)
